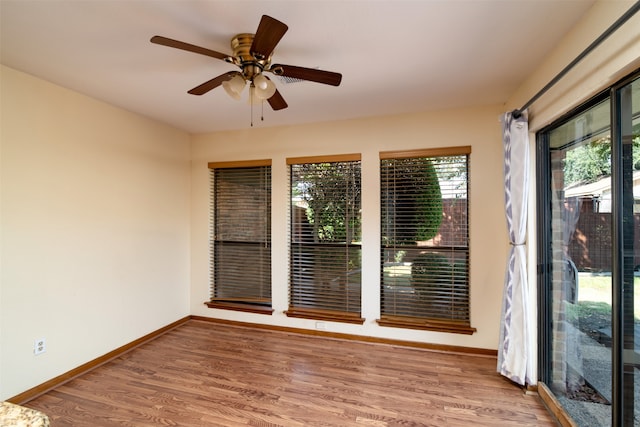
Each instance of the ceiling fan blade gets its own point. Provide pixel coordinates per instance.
(310, 74)
(213, 83)
(267, 36)
(188, 47)
(277, 102)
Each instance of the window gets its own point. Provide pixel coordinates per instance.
(241, 236)
(325, 243)
(425, 239)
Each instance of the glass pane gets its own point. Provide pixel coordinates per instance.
(581, 331)
(425, 284)
(629, 109)
(325, 277)
(242, 272)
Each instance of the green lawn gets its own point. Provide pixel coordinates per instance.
(597, 288)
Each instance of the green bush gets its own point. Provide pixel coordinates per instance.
(436, 280)
(427, 269)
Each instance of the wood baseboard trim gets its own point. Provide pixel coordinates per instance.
(353, 337)
(554, 406)
(38, 390)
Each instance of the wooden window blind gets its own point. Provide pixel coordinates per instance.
(325, 239)
(425, 239)
(241, 236)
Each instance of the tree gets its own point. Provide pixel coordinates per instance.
(332, 194)
(414, 200)
(429, 201)
(592, 161)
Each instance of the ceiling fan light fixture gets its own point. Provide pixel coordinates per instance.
(234, 86)
(264, 88)
(254, 99)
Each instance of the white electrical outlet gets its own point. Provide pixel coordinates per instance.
(39, 346)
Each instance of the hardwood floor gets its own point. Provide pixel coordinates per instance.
(207, 374)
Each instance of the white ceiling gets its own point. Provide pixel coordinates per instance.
(395, 56)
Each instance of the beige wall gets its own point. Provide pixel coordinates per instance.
(477, 127)
(95, 229)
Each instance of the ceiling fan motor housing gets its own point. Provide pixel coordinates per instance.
(251, 64)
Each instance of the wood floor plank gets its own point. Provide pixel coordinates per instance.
(207, 374)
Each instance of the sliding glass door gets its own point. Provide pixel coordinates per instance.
(589, 221)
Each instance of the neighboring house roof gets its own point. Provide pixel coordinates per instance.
(600, 188)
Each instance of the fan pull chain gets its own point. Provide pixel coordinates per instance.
(251, 103)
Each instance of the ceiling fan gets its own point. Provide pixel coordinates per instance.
(252, 54)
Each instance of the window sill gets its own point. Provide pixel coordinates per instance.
(328, 315)
(427, 324)
(238, 306)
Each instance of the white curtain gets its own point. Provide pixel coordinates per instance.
(515, 349)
